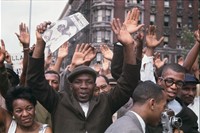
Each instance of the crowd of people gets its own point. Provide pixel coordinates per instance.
(128, 92)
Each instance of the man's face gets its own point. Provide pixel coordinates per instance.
(171, 81)
(159, 107)
(102, 85)
(24, 112)
(53, 80)
(83, 87)
(187, 93)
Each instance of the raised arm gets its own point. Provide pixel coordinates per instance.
(132, 26)
(4, 85)
(147, 71)
(130, 73)
(193, 53)
(62, 53)
(24, 38)
(40, 88)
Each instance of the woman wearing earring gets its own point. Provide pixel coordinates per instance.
(21, 105)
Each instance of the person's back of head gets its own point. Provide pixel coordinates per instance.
(146, 90)
(149, 101)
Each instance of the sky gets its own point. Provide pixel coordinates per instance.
(13, 12)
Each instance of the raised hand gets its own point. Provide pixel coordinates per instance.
(63, 50)
(157, 60)
(91, 54)
(48, 60)
(41, 28)
(197, 34)
(107, 53)
(131, 21)
(23, 36)
(8, 58)
(123, 35)
(2, 53)
(80, 53)
(151, 37)
(105, 66)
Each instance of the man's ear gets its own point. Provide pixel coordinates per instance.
(159, 81)
(152, 103)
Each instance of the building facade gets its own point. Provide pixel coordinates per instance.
(169, 16)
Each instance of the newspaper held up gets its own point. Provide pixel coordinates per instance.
(63, 30)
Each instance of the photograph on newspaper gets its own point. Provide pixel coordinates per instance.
(63, 30)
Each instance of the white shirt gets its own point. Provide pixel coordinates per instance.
(175, 106)
(142, 123)
(85, 107)
(195, 107)
(147, 70)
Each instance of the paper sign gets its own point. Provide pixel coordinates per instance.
(63, 30)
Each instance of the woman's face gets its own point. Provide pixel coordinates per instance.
(24, 112)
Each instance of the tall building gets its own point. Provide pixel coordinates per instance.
(169, 16)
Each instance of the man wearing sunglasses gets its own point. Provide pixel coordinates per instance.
(172, 80)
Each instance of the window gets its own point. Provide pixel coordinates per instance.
(102, 36)
(179, 4)
(190, 21)
(153, 2)
(99, 15)
(99, 36)
(179, 22)
(166, 21)
(166, 3)
(166, 40)
(152, 18)
(108, 15)
(190, 4)
(133, 1)
(102, 15)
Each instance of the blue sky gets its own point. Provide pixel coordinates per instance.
(13, 12)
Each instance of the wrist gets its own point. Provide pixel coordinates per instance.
(26, 49)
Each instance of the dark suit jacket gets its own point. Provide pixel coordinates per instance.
(128, 123)
(189, 121)
(67, 114)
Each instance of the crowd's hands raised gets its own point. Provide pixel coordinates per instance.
(151, 37)
(158, 62)
(41, 29)
(122, 33)
(63, 50)
(40, 43)
(151, 40)
(132, 19)
(62, 53)
(107, 53)
(23, 36)
(8, 58)
(2, 53)
(83, 53)
(90, 55)
(197, 34)
(105, 69)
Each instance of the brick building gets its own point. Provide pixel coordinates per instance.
(170, 16)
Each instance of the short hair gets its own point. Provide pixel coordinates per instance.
(106, 78)
(18, 92)
(53, 72)
(173, 66)
(146, 90)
